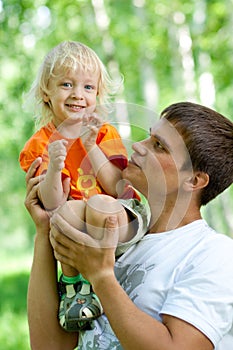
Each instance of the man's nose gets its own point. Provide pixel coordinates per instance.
(139, 147)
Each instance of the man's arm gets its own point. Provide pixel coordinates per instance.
(44, 328)
(134, 328)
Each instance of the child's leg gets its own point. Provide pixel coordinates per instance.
(98, 208)
(74, 212)
(86, 305)
(71, 281)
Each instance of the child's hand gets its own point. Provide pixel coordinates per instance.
(57, 154)
(90, 129)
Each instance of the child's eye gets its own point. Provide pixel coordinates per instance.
(68, 85)
(89, 87)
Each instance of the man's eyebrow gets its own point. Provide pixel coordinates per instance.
(160, 139)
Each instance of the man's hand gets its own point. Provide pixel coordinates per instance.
(32, 202)
(72, 247)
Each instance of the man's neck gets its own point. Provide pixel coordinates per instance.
(173, 216)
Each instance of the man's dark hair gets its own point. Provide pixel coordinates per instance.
(208, 136)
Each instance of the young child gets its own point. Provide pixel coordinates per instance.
(73, 142)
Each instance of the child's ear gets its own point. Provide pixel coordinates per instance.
(198, 181)
(45, 97)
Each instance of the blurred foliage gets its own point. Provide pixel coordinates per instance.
(166, 51)
(13, 322)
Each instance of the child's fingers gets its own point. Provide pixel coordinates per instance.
(58, 147)
(95, 120)
(92, 120)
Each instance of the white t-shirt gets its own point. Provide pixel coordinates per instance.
(186, 273)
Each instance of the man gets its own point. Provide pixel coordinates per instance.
(173, 289)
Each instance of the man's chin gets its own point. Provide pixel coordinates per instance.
(128, 173)
(134, 176)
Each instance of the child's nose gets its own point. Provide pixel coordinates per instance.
(77, 93)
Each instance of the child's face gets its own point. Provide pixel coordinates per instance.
(72, 95)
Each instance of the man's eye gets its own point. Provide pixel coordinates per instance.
(157, 144)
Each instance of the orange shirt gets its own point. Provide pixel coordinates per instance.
(77, 164)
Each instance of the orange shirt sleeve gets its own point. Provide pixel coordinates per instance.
(111, 144)
(35, 147)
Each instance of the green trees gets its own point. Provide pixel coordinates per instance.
(167, 51)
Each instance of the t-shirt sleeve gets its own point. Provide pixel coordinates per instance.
(111, 144)
(34, 147)
(203, 292)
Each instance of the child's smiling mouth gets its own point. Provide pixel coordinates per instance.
(75, 108)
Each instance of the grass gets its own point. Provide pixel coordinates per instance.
(13, 315)
(16, 257)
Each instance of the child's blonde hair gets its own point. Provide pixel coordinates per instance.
(69, 55)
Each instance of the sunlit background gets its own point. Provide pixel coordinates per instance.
(167, 51)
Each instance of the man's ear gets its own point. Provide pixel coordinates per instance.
(198, 181)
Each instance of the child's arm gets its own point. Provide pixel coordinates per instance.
(107, 173)
(51, 191)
